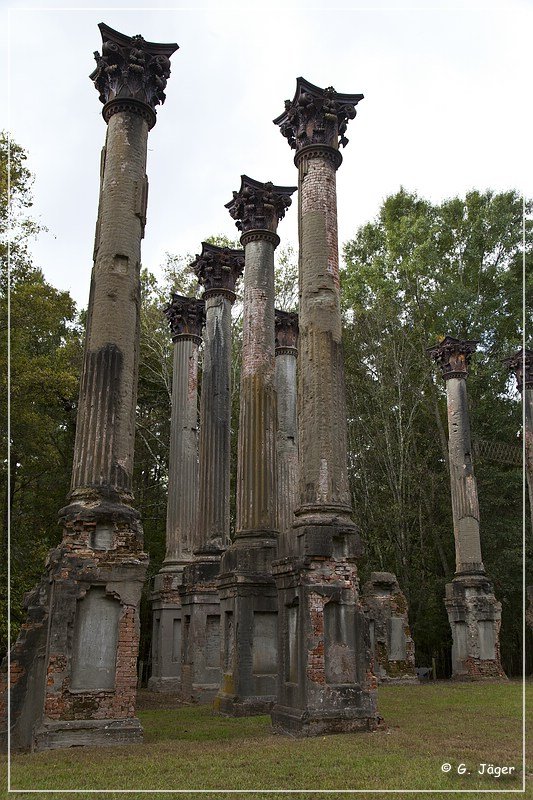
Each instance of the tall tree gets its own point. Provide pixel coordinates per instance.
(45, 358)
(417, 272)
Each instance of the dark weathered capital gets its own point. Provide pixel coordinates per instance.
(317, 118)
(218, 269)
(186, 316)
(286, 327)
(453, 356)
(131, 74)
(258, 207)
(522, 366)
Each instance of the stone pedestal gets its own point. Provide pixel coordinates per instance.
(248, 595)
(76, 661)
(218, 269)
(473, 611)
(287, 433)
(186, 317)
(475, 618)
(385, 608)
(325, 682)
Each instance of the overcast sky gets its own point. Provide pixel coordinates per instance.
(447, 108)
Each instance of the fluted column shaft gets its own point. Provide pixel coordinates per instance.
(465, 506)
(103, 453)
(215, 425)
(287, 433)
(182, 503)
(256, 475)
(287, 446)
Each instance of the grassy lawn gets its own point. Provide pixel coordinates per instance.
(189, 748)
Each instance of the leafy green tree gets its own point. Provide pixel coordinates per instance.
(421, 271)
(45, 359)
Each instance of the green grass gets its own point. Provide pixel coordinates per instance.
(190, 748)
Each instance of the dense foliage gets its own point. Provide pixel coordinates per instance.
(417, 272)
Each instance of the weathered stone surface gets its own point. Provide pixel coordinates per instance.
(473, 611)
(218, 269)
(453, 357)
(186, 316)
(386, 611)
(247, 590)
(475, 619)
(100, 561)
(317, 116)
(521, 364)
(131, 74)
(286, 325)
(325, 683)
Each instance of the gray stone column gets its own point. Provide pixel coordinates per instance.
(247, 589)
(522, 366)
(186, 317)
(218, 269)
(287, 436)
(325, 682)
(80, 678)
(473, 611)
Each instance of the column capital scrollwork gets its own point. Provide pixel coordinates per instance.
(453, 356)
(218, 269)
(317, 117)
(522, 366)
(186, 316)
(286, 331)
(131, 74)
(258, 207)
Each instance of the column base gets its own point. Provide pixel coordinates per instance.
(167, 626)
(82, 633)
(249, 606)
(305, 723)
(87, 733)
(233, 706)
(326, 683)
(392, 646)
(200, 604)
(164, 685)
(475, 618)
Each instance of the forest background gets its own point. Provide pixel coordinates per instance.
(417, 272)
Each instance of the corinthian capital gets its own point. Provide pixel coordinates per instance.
(218, 268)
(286, 327)
(131, 73)
(453, 356)
(317, 116)
(522, 366)
(186, 316)
(259, 206)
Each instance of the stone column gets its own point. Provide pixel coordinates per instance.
(325, 684)
(522, 366)
(218, 269)
(287, 436)
(391, 643)
(247, 590)
(473, 611)
(80, 679)
(186, 317)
